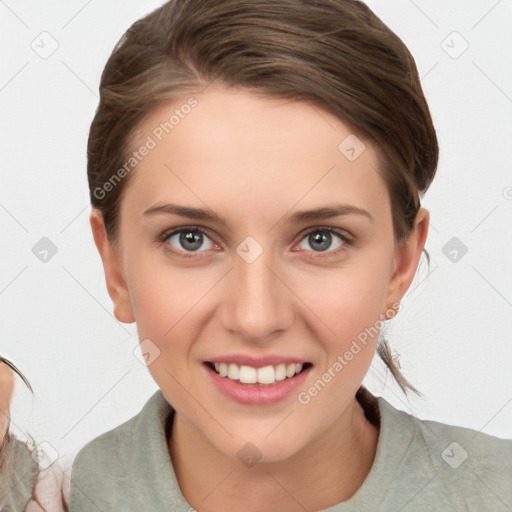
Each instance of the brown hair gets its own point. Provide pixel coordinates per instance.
(336, 54)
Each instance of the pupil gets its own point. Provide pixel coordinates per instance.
(321, 237)
(191, 237)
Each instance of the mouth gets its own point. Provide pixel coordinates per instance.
(263, 376)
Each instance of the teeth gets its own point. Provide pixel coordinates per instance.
(264, 375)
(280, 372)
(233, 372)
(247, 375)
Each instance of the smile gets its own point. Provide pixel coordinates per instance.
(265, 375)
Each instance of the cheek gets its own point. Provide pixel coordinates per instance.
(166, 319)
(347, 306)
(168, 304)
(348, 300)
(163, 300)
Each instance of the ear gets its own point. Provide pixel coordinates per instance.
(112, 265)
(407, 257)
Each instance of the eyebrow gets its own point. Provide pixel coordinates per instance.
(323, 213)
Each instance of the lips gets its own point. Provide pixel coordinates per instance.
(257, 385)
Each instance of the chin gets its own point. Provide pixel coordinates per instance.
(261, 449)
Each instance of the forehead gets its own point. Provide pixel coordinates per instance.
(230, 147)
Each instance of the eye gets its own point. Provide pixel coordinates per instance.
(187, 240)
(321, 240)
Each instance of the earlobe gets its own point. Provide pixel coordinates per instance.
(407, 258)
(112, 266)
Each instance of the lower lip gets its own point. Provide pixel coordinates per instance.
(255, 394)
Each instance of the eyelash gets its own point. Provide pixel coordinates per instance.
(346, 239)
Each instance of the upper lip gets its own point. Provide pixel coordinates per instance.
(256, 362)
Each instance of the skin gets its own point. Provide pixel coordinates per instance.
(6, 391)
(255, 161)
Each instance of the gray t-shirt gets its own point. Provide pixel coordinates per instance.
(419, 466)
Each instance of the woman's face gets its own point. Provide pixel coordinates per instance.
(268, 285)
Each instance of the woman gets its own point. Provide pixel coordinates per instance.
(23, 485)
(255, 172)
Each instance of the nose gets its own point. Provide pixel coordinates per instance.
(257, 305)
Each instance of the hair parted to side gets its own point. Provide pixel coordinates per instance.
(336, 54)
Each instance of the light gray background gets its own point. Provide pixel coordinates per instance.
(453, 333)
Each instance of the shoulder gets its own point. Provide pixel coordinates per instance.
(129, 468)
(477, 464)
(108, 449)
(24, 485)
(121, 453)
(466, 450)
(468, 469)
(18, 474)
(465, 445)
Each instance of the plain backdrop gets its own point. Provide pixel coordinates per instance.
(453, 334)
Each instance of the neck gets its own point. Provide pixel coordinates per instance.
(326, 472)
